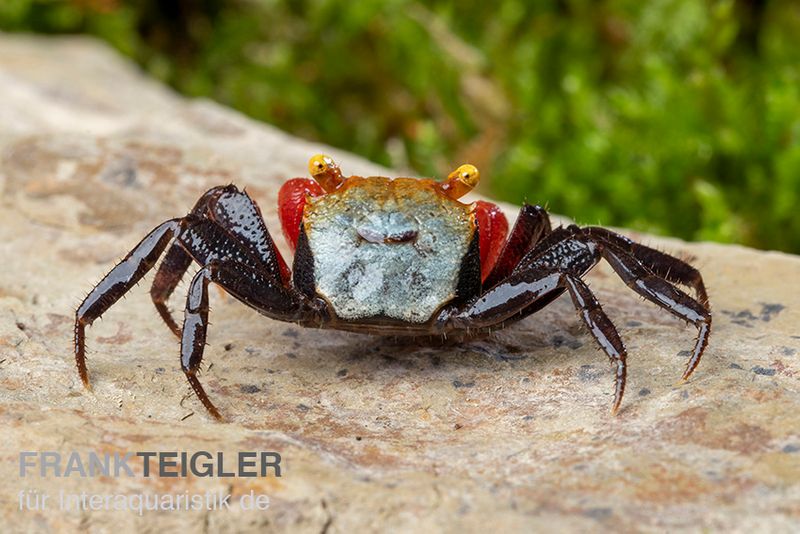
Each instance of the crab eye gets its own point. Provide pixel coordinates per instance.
(318, 164)
(326, 172)
(461, 181)
(468, 175)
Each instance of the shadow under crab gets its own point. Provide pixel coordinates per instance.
(400, 257)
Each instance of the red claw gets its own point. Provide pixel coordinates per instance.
(493, 229)
(291, 201)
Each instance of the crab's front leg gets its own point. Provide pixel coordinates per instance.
(118, 282)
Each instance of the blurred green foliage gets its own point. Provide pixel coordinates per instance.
(672, 116)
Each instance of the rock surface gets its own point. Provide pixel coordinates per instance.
(507, 432)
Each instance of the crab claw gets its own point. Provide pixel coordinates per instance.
(292, 198)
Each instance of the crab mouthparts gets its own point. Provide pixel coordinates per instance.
(388, 228)
(371, 236)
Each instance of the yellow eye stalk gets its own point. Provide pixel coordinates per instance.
(328, 175)
(326, 172)
(461, 181)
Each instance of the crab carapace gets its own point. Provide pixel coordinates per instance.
(400, 257)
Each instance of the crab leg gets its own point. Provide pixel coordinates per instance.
(168, 276)
(662, 293)
(174, 266)
(548, 240)
(193, 339)
(239, 217)
(664, 265)
(536, 277)
(557, 263)
(252, 287)
(118, 282)
(236, 213)
(602, 329)
(538, 284)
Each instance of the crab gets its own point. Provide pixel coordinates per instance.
(399, 257)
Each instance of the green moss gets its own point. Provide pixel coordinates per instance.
(673, 116)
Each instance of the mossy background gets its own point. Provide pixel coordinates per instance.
(678, 117)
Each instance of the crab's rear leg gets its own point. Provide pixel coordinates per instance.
(662, 293)
(118, 282)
